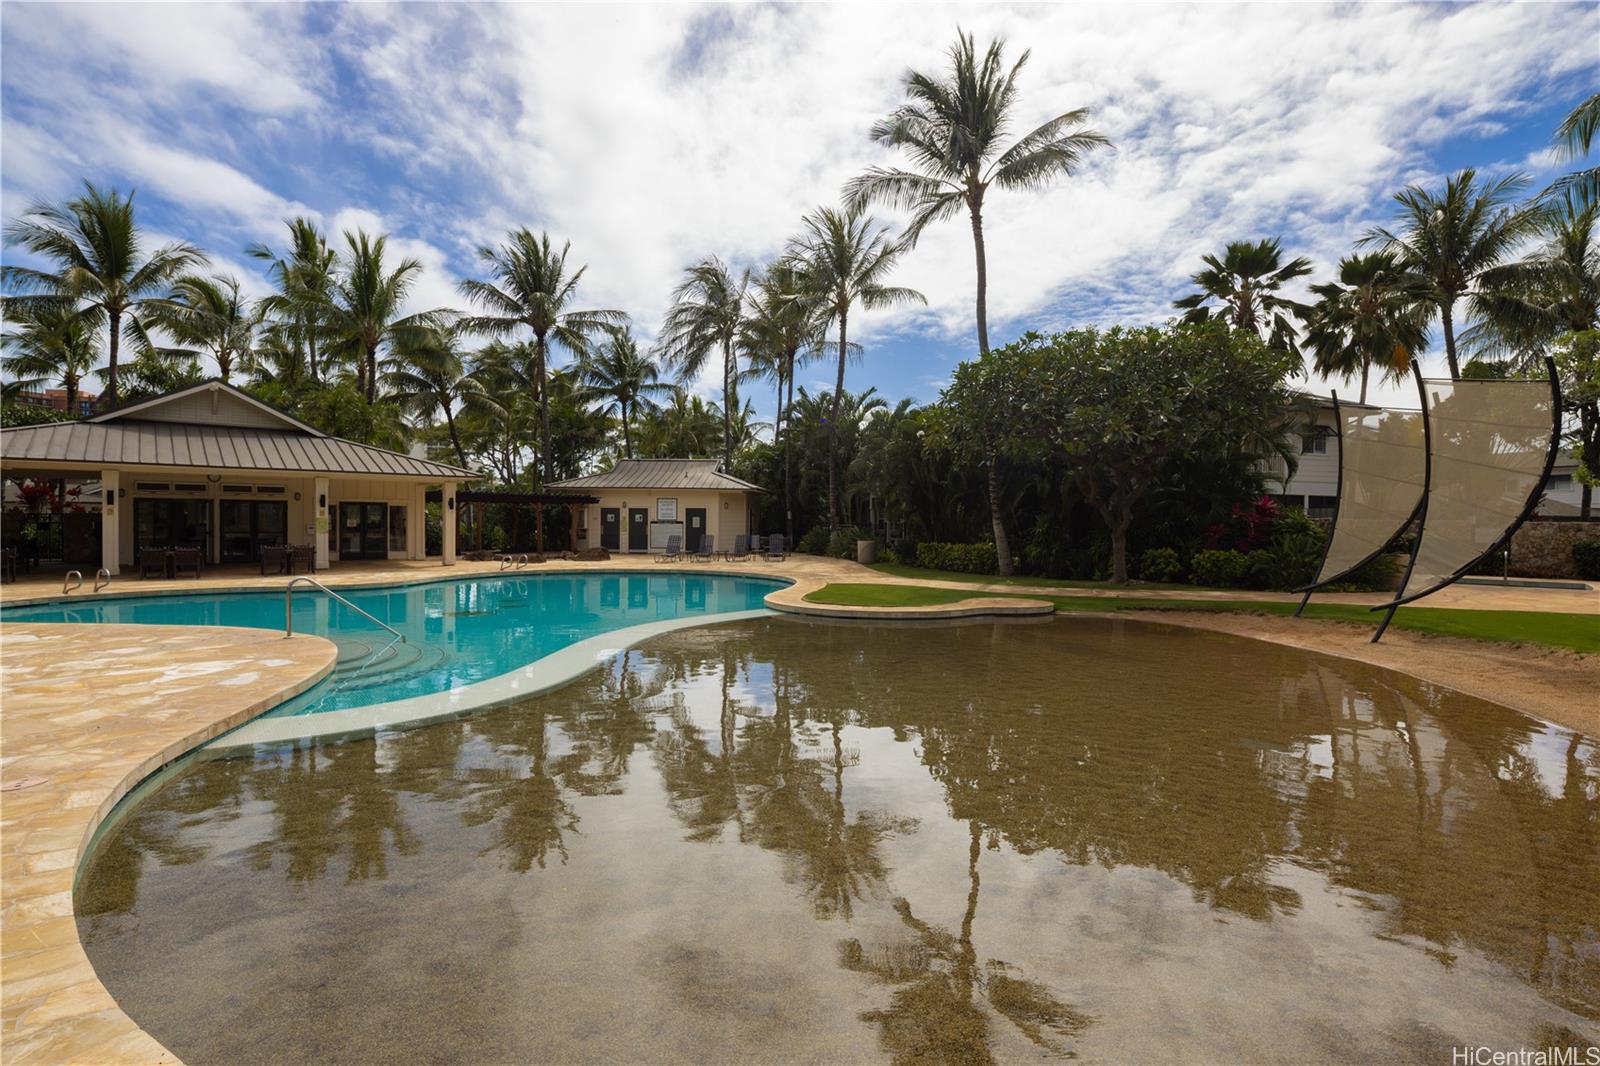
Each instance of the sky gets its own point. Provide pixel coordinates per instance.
(651, 137)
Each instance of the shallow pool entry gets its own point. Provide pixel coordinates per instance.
(783, 840)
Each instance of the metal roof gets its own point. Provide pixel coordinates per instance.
(660, 474)
(130, 442)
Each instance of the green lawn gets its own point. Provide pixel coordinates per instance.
(922, 573)
(1577, 632)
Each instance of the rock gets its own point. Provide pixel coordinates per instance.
(592, 555)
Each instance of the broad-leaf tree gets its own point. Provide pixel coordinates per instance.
(703, 321)
(845, 259)
(530, 288)
(1373, 316)
(98, 261)
(620, 380)
(1244, 287)
(1451, 236)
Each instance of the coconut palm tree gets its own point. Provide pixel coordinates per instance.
(782, 330)
(1373, 316)
(49, 341)
(210, 312)
(845, 258)
(429, 375)
(364, 312)
(1246, 285)
(707, 310)
(1575, 137)
(1520, 307)
(529, 288)
(686, 426)
(1452, 236)
(304, 277)
(953, 128)
(621, 380)
(94, 246)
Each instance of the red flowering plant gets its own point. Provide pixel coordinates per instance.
(1248, 527)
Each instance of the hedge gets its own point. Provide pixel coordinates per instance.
(963, 558)
(1586, 558)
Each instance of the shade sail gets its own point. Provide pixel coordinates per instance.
(1382, 460)
(1491, 442)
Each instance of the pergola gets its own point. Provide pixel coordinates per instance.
(537, 500)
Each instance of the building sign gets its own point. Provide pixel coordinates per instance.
(667, 509)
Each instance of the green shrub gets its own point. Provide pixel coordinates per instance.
(842, 544)
(1218, 567)
(1586, 558)
(1160, 564)
(962, 558)
(814, 542)
(888, 555)
(494, 538)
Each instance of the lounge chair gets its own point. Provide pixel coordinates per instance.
(186, 559)
(775, 548)
(152, 560)
(673, 551)
(707, 550)
(741, 549)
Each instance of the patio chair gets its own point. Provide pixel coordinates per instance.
(707, 550)
(275, 559)
(673, 551)
(302, 557)
(186, 559)
(152, 559)
(775, 548)
(741, 549)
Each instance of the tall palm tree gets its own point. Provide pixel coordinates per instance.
(211, 312)
(1246, 283)
(683, 427)
(94, 246)
(1374, 315)
(783, 328)
(50, 341)
(501, 370)
(1520, 307)
(1450, 237)
(1575, 137)
(428, 375)
(623, 380)
(953, 129)
(529, 288)
(364, 313)
(707, 310)
(304, 277)
(846, 258)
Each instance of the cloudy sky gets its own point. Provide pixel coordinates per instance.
(652, 136)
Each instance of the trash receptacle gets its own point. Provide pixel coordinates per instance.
(866, 552)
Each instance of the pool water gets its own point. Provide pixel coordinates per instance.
(784, 840)
(457, 632)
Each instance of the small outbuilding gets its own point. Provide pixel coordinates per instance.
(639, 503)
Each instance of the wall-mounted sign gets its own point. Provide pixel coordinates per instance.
(667, 509)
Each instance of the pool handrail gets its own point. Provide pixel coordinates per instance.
(98, 575)
(66, 588)
(288, 612)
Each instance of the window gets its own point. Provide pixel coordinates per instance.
(1559, 482)
(1322, 506)
(189, 486)
(1315, 442)
(152, 486)
(270, 490)
(397, 527)
(236, 490)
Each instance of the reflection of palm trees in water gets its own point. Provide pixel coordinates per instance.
(937, 1012)
(518, 793)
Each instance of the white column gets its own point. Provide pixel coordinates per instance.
(111, 505)
(417, 523)
(319, 517)
(448, 514)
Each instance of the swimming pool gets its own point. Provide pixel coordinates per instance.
(459, 634)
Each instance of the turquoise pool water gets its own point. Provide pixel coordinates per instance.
(457, 632)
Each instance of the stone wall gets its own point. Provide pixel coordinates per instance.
(1544, 549)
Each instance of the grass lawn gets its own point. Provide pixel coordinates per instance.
(1577, 632)
(901, 570)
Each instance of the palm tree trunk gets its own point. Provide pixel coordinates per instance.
(1365, 369)
(833, 427)
(542, 375)
(983, 276)
(1449, 340)
(70, 383)
(627, 434)
(1002, 546)
(727, 404)
(788, 466)
(455, 438)
(114, 320)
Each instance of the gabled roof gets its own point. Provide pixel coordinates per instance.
(211, 402)
(703, 474)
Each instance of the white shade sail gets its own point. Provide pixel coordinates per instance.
(1382, 460)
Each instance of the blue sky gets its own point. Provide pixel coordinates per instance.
(652, 136)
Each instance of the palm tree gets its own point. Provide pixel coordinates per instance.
(364, 313)
(94, 243)
(1522, 306)
(210, 312)
(623, 379)
(1246, 284)
(305, 279)
(783, 328)
(1451, 237)
(845, 258)
(685, 427)
(953, 129)
(50, 340)
(707, 310)
(529, 288)
(1374, 315)
(1576, 136)
(429, 374)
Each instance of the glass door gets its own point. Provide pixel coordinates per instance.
(363, 531)
(246, 525)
